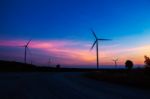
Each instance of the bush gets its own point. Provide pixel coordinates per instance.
(147, 62)
(129, 64)
(58, 66)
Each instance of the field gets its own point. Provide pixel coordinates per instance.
(62, 85)
(26, 81)
(137, 78)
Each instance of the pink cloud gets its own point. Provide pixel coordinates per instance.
(77, 52)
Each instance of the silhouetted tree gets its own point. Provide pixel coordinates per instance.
(147, 61)
(58, 66)
(129, 64)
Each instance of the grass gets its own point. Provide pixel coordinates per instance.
(138, 78)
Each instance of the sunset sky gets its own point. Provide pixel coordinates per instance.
(60, 31)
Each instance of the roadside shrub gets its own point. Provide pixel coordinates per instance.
(129, 64)
(147, 62)
(58, 66)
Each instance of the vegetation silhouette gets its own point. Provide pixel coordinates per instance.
(147, 62)
(12, 66)
(129, 64)
(15, 66)
(58, 66)
(136, 77)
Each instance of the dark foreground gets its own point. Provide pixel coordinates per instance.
(137, 78)
(63, 85)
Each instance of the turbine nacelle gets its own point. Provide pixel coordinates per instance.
(115, 59)
(27, 44)
(97, 39)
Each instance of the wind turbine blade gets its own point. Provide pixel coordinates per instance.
(93, 44)
(93, 33)
(28, 42)
(105, 39)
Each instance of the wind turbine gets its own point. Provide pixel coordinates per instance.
(26, 48)
(49, 61)
(115, 61)
(96, 42)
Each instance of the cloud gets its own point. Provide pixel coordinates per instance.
(77, 52)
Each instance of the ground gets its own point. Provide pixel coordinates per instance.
(63, 85)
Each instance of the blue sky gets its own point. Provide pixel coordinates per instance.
(124, 21)
(52, 19)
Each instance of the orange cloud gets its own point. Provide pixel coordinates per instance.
(78, 53)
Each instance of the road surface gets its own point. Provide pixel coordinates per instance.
(62, 86)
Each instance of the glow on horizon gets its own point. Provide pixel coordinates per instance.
(78, 53)
(61, 30)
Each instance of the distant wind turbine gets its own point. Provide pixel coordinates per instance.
(96, 42)
(49, 61)
(115, 61)
(26, 48)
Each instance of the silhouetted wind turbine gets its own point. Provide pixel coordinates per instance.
(26, 48)
(49, 61)
(96, 42)
(115, 61)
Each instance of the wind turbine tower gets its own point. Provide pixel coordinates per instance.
(49, 62)
(25, 53)
(96, 43)
(115, 61)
